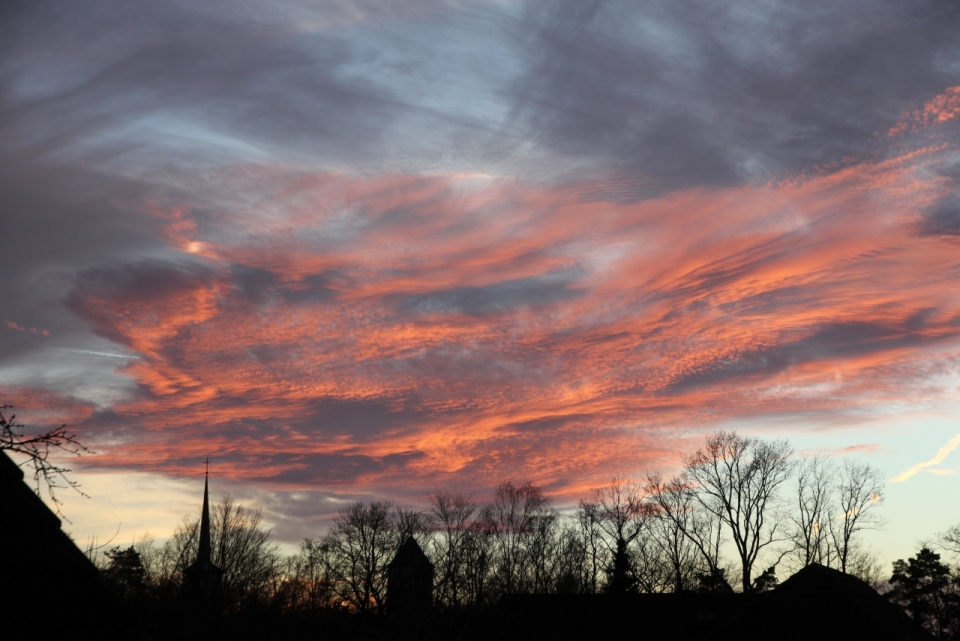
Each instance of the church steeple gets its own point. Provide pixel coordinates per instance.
(202, 581)
(203, 552)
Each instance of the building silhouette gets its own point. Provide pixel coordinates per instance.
(409, 592)
(410, 581)
(815, 603)
(202, 580)
(49, 585)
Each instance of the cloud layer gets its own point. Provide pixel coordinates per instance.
(351, 250)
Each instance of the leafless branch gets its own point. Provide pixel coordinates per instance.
(37, 450)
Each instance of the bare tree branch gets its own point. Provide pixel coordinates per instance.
(37, 450)
(737, 479)
(860, 490)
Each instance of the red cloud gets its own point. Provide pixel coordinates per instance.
(412, 331)
(941, 109)
(32, 330)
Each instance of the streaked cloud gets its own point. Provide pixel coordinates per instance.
(352, 245)
(937, 459)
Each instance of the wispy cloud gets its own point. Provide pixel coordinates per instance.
(936, 460)
(96, 353)
(350, 246)
(468, 343)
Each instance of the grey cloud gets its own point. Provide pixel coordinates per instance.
(694, 93)
(831, 341)
(125, 283)
(663, 95)
(363, 419)
(141, 281)
(547, 424)
(944, 220)
(319, 418)
(330, 470)
(943, 217)
(77, 71)
(534, 291)
(259, 285)
(57, 221)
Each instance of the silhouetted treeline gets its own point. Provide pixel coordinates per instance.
(742, 511)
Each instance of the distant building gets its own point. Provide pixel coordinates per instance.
(409, 582)
(815, 603)
(203, 581)
(50, 588)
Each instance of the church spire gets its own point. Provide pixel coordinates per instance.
(203, 553)
(202, 581)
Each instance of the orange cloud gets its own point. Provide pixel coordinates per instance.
(415, 331)
(941, 109)
(32, 330)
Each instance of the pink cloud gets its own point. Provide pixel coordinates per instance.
(411, 331)
(938, 110)
(32, 330)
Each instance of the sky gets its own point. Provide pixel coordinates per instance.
(365, 250)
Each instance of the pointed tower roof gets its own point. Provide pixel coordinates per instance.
(203, 552)
(202, 581)
(410, 555)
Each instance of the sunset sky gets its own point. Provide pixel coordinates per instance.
(365, 250)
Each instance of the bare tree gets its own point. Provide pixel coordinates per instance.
(685, 524)
(478, 555)
(515, 516)
(588, 521)
(737, 479)
(574, 573)
(362, 542)
(623, 516)
(676, 551)
(859, 492)
(542, 549)
(408, 522)
(309, 585)
(651, 565)
(454, 528)
(810, 519)
(949, 540)
(244, 549)
(37, 450)
(241, 546)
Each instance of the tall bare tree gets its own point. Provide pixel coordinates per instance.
(362, 542)
(543, 546)
(685, 523)
(811, 514)
(651, 565)
(859, 493)
(738, 479)
(515, 516)
(623, 515)
(677, 550)
(244, 549)
(309, 586)
(241, 546)
(478, 555)
(574, 573)
(588, 522)
(453, 518)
